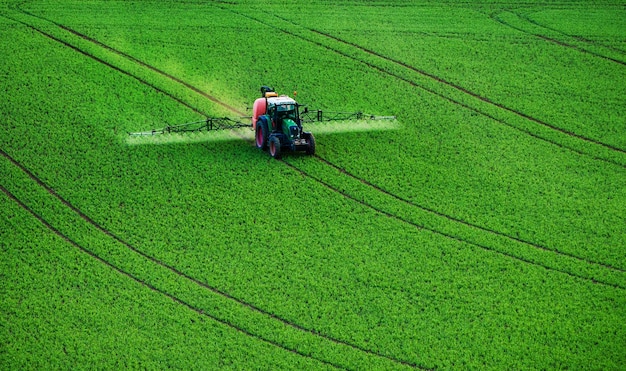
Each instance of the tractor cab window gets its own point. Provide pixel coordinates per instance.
(287, 111)
(286, 107)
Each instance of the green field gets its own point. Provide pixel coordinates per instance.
(486, 230)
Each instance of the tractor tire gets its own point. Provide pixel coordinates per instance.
(274, 147)
(310, 148)
(260, 135)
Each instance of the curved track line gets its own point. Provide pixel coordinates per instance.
(204, 285)
(364, 181)
(139, 62)
(171, 268)
(154, 288)
(123, 72)
(152, 68)
(468, 224)
(494, 16)
(238, 300)
(577, 37)
(225, 294)
(352, 198)
(458, 87)
(450, 236)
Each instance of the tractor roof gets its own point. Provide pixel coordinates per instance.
(283, 99)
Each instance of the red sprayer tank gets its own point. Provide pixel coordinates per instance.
(260, 105)
(259, 108)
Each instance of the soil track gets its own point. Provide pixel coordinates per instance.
(577, 37)
(494, 16)
(124, 72)
(451, 100)
(459, 239)
(125, 55)
(468, 224)
(213, 289)
(174, 298)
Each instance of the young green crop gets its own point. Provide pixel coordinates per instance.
(62, 308)
(408, 245)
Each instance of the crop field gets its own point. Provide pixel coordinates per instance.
(484, 229)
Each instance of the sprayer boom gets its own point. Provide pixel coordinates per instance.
(324, 116)
(276, 122)
(211, 123)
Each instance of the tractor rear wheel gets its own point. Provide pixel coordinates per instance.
(310, 146)
(274, 147)
(260, 135)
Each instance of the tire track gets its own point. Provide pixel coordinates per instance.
(494, 17)
(127, 56)
(201, 284)
(364, 181)
(468, 224)
(172, 269)
(321, 181)
(99, 60)
(457, 87)
(85, 217)
(450, 236)
(154, 69)
(577, 37)
(215, 290)
(153, 288)
(432, 211)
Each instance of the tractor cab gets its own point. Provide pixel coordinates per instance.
(283, 113)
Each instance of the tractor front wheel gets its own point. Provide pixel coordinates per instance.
(274, 147)
(260, 135)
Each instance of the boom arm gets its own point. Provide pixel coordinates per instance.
(322, 116)
(211, 123)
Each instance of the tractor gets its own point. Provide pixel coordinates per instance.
(277, 125)
(276, 122)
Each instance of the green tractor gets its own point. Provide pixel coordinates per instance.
(277, 125)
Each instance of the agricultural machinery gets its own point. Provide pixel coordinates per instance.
(276, 122)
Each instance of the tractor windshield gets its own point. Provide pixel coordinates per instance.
(286, 111)
(286, 107)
